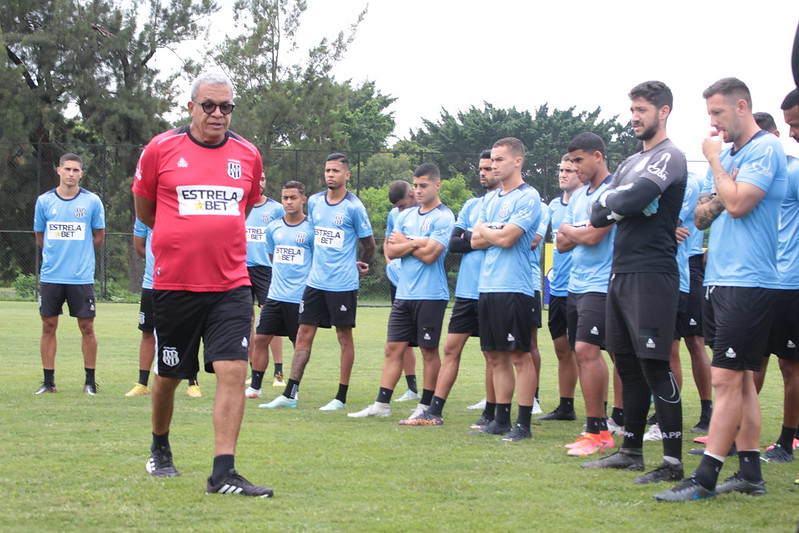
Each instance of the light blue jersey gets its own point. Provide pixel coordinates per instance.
(590, 264)
(393, 266)
(472, 262)
(257, 221)
(418, 280)
(291, 248)
(67, 225)
(561, 262)
(535, 254)
(337, 228)
(696, 240)
(742, 252)
(508, 269)
(692, 187)
(788, 247)
(143, 231)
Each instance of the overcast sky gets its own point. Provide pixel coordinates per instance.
(454, 54)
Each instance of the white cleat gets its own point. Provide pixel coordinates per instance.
(537, 407)
(479, 405)
(418, 411)
(252, 393)
(653, 433)
(279, 402)
(408, 396)
(376, 409)
(333, 405)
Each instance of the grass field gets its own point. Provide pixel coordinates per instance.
(76, 463)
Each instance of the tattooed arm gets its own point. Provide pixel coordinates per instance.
(708, 208)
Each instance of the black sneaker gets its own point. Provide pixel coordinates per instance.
(481, 422)
(686, 491)
(492, 429)
(734, 483)
(236, 484)
(519, 432)
(557, 414)
(777, 454)
(160, 463)
(619, 461)
(703, 426)
(46, 388)
(665, 472)
(90, 389)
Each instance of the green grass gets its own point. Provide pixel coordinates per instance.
(72, 462)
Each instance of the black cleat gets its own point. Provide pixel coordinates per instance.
(557, 414)
(735, 483)
(686, 491)
(665, 472)
(618, 461)
(777, 454)
(481, 422)
(519, 432)
(492, 429)
(90, 389)
(160, 463)
(703, 426)
(236, 484)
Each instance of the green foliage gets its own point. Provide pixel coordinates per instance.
(454, 193)
(375, 199)
(382, 168)
(25, 286)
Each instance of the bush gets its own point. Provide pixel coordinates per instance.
(25, 286)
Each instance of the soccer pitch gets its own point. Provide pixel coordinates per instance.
(73, 462)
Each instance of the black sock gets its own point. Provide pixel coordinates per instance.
(617, 414)
(144, 377)
(160, 441)
(427, 397)
(436, 406)
(291, 389)
(635, 394)
(566, 405)
(707, 473)
(502, 417)
(49, 377)
(668, 404)
(384, 395)
(536, 393)
(524, 416)
(257, 379)
(489, 411)
(749, 465)
(278, 368)
(592, 424)
(411, 380)
(707, 409)
(223, 464)
(342, 393)
(604, 409)
(786, 438)
(193, 381)
(89, 375)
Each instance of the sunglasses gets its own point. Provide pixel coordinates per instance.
(210, 107)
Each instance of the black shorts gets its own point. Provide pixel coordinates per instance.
(785, 326)
(280, 319)
(222, 320)
(261, 279)
(79, 298)
(557, 316)
(682, 316)
(585, 318)
(506, 321)
(464, 318)
(146, 311)
(641, 313)
(693, 310)
(327, 308)
(417, 322)
(537, 310)
(737, 322)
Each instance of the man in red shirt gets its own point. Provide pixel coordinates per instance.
(194, 186)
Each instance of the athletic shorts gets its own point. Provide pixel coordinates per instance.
(464, 318)
(417, 322)
(279, 319)
(79, 298)
(785, 325)
(261, 279)
(327, 308)
(557, 316)
(641, 313)
(696, 296)
(682, 316)
(221, 320)
(146, 311)
(737, 322)
(506, 321)
(537, 310)
(585, 318)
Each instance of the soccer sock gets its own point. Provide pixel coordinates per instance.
(786, 438)
(592, 425)
(566, 405)
(635, 394)
(489, 411)
(384, 395)
(502, 417)
(342, 393)
(524, 416)
(223, 464)
(604, 409)
(278, 368)
(668, 404)
(160, 441)
(536, 393)
(707, 473)
(291, 389)
(617, 414)
(144, 377)
(427, 397)
(436, 406)
(411, 380)
(49, 376)
(749, 465)
(89, 375)
(707, 408)
(193, 380)
(257, 379)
